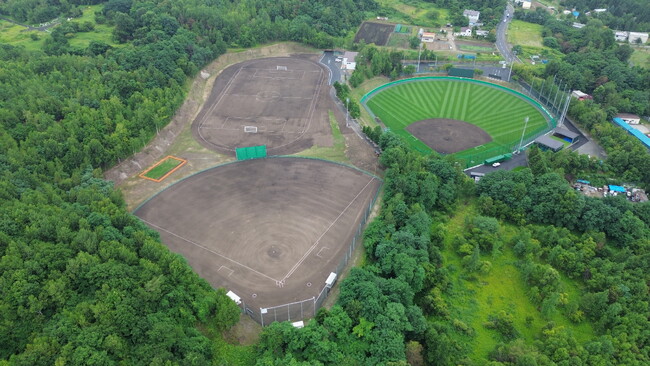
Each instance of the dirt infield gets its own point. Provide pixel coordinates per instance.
(377, 33)
(271, 230)
(448, 136)
(278, 102)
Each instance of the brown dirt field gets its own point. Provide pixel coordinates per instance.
(448, 136)
(288, 107)
(198, 92)
(271, 230)
(376, 33)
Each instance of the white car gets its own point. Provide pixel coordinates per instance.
(496, 165)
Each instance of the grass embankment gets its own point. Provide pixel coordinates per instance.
(336, 152)
(499, 113)
(477, 296)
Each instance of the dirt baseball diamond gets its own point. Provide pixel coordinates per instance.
(448, 136)
(280, 102)
(271, 230)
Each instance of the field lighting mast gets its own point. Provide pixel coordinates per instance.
(522, 134)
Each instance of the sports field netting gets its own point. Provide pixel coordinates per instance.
(252, 152)
(499, 111)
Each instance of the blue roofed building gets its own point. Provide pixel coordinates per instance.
(645, 140)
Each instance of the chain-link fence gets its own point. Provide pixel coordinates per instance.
(307, 308)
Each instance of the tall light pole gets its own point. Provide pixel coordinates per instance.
(522, 134)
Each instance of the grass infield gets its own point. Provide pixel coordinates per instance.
(497, 110)
(163, 168)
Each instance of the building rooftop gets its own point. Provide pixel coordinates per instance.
(564, 132)
(549, 142)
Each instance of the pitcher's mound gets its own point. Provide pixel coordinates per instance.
(448, 136)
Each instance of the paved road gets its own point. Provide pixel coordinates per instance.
(29, 27)
(502, 43)
(329, 60)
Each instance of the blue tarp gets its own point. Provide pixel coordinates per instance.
(582, 181)
(576, 14)
(634, 132)
(614, 188)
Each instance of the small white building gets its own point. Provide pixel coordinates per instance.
(526, 4)
(580, 95)
(621, 36)
(348, 60)
(464, 32)
(428, 37)
(629, 118)
(578, 25)
(634, 36)
(600, 10)
(482, 33)
(472, 15)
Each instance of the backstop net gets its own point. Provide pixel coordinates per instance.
(251, 152)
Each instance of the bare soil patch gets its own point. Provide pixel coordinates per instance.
(448, 136)
(376, 33)
(271, 230)
(278, 102)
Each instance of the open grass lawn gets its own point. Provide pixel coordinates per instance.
(641, 57)
(17, 35)
(475, 48)
(336, 152)
(414, 11)
(525, 34)
(477, 297)
(163, 168)
(498, 111)
(102, 33)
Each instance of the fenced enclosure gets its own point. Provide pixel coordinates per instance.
(307, 308)
(499, 111)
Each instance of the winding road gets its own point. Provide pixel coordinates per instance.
(502, 43)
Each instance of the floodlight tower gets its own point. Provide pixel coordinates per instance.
(522, 134)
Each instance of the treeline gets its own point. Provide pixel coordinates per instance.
(379, 318)
(630, 15)
(602, 243)
(597, 65)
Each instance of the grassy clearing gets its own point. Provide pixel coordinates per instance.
(500, 113)
(641, 57)
(17, 35)
(525, 34)
(163, 168)
(475, 48)
(336, 152)
(477, 297)
(102, 33)
(229, 353)
(414, 12)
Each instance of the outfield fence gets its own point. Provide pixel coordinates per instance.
(307, 308)
(478, 155)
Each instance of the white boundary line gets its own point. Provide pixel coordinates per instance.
(210, 250)
(310, 115)
(301, 260)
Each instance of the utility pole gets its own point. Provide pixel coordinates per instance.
(522, 134)
(419, 53)
(512, 63)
